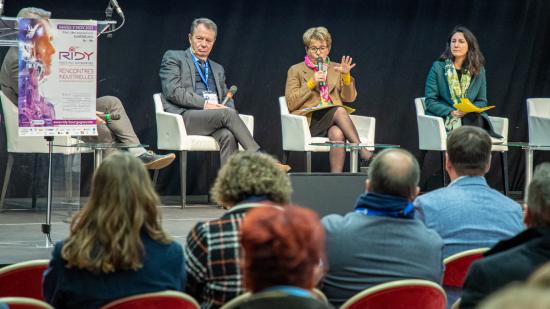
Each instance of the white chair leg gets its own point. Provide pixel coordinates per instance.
(7, 174)
(183, 178)
(308, 161)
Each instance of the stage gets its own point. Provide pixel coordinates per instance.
(21, 236)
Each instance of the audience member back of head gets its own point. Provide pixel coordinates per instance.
(380, 240)
(117, 246)
(468, 214)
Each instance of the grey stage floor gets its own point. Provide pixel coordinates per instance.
(21, 236)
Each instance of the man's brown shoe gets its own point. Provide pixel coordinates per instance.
(283, 167)
(155, 161)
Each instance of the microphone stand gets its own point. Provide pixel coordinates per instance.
(46, 227)
(111, 25)
(108, 17)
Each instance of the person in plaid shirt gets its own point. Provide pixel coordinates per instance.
(246, 181)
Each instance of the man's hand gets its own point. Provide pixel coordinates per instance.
(98, 119)
(214, 106)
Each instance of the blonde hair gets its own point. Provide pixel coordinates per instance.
(106, 234)
(319, 34)
(248, 173)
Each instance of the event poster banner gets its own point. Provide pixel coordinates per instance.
(57, 77)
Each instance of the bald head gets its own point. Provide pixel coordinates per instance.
(394, 172)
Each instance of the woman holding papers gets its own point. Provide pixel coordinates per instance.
(317, 88)
(458, 77)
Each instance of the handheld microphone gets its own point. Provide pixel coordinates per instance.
(230, 93)
(117, 8)
(320, 69)
(108, 117)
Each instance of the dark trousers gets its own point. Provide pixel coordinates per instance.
(224, 125)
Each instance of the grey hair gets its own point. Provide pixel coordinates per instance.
(394, 172)
(208, 23)
(538, 197)
(32, 12)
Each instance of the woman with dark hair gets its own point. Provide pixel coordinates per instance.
(458, 74)
(116, 247)
(283, 249)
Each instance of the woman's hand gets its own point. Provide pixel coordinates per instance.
(458, 114)
(319, 76)
(345, 65)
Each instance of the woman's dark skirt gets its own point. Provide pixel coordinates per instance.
(321, 121)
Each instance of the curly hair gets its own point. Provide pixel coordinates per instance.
(247, 174)
(282, 246)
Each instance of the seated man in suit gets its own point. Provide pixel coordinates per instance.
(516, 258)
(120, 130)
(468, 214)
(381, 241)
(194, 86)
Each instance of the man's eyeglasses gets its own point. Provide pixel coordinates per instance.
(318, 49)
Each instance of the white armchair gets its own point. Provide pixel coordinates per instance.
(26, 144)
(433, 136)
(172, 135)
(538, 120)
(297, 137)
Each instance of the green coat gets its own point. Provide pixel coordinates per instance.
(438, 97)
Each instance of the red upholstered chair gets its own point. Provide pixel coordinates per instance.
(401, 294)
(457, 265)
(165, 299)
(23, 279)
(24, 303)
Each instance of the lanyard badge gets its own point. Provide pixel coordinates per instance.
(203, 76)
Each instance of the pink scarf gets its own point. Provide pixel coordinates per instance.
(323, 90)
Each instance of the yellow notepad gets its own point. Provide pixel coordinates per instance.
(468, 107)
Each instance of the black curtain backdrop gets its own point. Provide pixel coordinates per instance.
(393, 42)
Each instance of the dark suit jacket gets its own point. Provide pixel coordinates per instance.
(163, 269)
(9, 74)
(177, 76)
(510, 260)
(438, 96)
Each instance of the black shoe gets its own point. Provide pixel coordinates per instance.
(155, 161)
(364, 166)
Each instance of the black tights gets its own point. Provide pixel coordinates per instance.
(342, 129)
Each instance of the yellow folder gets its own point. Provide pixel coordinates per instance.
(468, 107)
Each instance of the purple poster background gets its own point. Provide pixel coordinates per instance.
(57, 77)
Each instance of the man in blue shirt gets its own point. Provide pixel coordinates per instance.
(468, 214)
